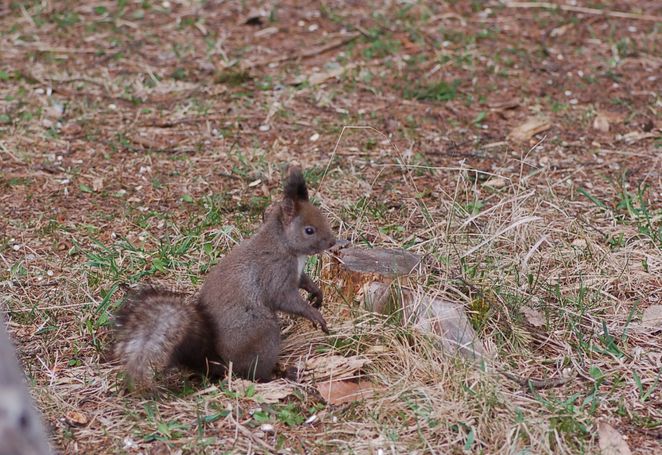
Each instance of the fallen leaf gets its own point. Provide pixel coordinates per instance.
(71, 129)
(338, 392)
(76, 418)
(320, 76)
(268, 392)
(266, 32)
(335, 366)
(97, 184)
(530, 128)
(601, 123)
(611, 441)
(652, 316)
(579, 243)
(504, 105)
(254, 18)
(533, 316)
(635, 136)
(55, 111)
(560, 31)
(496, 183)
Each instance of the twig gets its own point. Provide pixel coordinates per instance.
(329, 46)
(165, 123)
(10, 154)
(129, 47)
(241, 429)
(307, 53)
(537, 383)
(581, 9)
(57, 50)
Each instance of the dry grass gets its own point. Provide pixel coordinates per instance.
(134, 148)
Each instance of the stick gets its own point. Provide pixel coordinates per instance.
(307, 53)
(581, 9)
(537, 383)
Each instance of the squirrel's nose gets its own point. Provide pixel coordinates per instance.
(331, 243)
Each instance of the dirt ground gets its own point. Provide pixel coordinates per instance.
(515, 145)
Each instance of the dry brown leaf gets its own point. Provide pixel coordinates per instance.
(533, 316)
(76, 418)
(338, 392)
(635, 136)
(319, 77)
(269, 392)
(611, 441)
(652, 316)
(97, 184)
(601, 123)
(496, 182)
(336, 366)
(255, 18)
(560, 31)
(530, 128)
(579, 243)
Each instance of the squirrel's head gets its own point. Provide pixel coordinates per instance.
(306, 229)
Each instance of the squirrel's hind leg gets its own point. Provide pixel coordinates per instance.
(256, 357)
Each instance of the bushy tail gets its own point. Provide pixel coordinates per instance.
(150, 329)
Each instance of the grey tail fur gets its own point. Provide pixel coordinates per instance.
(157, 329)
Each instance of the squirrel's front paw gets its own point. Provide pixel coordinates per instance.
(318, 319)
(315, 298)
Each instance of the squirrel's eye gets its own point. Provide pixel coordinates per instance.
(309, 230)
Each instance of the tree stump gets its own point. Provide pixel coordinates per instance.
(386, 281)
(351, 268)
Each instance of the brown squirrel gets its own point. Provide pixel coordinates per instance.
(233, 318)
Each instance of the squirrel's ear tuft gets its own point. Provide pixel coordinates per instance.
(295, 185)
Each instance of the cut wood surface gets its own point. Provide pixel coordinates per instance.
(390, 263)
(21, 430)
(351, 268)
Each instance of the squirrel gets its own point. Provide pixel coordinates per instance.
(233, 317)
